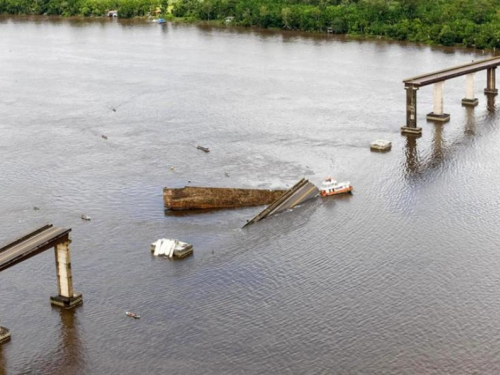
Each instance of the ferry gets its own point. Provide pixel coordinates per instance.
(332, 187)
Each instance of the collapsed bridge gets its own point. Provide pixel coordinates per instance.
(34, 243)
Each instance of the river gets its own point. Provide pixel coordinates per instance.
(402, 277)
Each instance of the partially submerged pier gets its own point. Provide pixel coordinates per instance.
(193, 198)
(34, 243)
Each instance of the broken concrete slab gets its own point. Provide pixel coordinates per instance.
(299, 193)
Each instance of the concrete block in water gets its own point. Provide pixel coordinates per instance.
(192, 197)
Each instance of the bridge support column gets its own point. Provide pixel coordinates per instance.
(469, 99)
(4, 335)
(490, 82)
(411, 112)
(437, 114)
(67, 298)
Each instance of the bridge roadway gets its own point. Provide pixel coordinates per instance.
(300, 192)
(31, 244)
(442, 75)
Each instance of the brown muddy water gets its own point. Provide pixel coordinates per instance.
(403, 277)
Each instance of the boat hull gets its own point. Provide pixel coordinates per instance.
(347, 190)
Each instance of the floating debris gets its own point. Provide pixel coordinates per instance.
(171, 248)
(226, 174)
(171, 168)
(132, 315)
(206, 149)
(114, 110)
(380, 145)
(85, 217)
(104, 137)
(36, 208)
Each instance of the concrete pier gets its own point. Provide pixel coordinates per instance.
(437, 113)
(411, 112)
(469, 99)
(67, 298)
(34, 243)
(491, 82)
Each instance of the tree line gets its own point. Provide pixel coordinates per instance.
(86, 8)
(471, 23)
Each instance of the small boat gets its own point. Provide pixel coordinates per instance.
(171, 248)
(132, 315)
(85, 217)
(161, 20)
(332, 187)
(206, 149)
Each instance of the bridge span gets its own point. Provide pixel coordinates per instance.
(34, 243)
(438, 78)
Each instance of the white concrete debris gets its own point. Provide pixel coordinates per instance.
(171, 248)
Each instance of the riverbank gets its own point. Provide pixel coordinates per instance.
(455, 23)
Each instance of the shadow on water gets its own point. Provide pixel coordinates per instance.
(184, 213)
(438, 147)
(470, 123)
(441, 149)
(412, 163)
(490, 103)
(415, 164)
(67, 357)
(3, 361)
(71, 361)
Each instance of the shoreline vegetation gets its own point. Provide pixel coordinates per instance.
(467, 23)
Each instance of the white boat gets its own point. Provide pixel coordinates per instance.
(171, 248)
(332, 187)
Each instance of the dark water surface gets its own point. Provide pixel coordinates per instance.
(401, 278)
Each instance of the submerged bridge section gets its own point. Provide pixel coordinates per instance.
(300, 192)
(34, 243)
(437, 79)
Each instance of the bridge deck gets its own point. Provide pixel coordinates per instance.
(31, 244)
(299, 193)
(442, 75)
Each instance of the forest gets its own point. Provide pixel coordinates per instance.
(471, 23)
